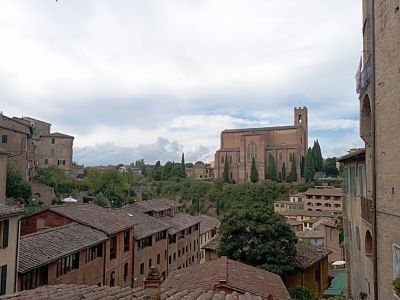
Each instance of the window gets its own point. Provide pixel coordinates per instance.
(353, 188)
(52, 152)
(358, 240)
(345, 180)
(67, 264)
(4, 139)
(174, 256)
(169, 259)
(125, 272)
(158, 258)
(149, 263)
(172, 239)
(126, 240)
(368, 243)
(34, 279)
(113, 247)
(53, 140)
(94, 252)
(61, 162)
(396, 261)
(145, 242)
(161, 236)
(4, 228)
(3, 279)
(46, 161)
(142, 269)
(112, 278)
(179, 253)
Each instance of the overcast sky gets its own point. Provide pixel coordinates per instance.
(151, 79)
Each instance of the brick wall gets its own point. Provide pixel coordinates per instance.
(45, 219)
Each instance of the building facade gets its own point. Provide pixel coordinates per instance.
(200, 171)
(9, 235)
(379, 119)
(323, 198)
(239, 146)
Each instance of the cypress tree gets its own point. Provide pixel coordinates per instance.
(271, 168)
(318, 160)
(309, 168)
(183, 169)
(253, 171)
(302, 162)
(226, 169)
(293, 171)
(283, 172)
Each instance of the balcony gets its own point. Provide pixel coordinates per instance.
(366, 75)
(367, 210)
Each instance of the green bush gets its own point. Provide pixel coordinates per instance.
(16, 187)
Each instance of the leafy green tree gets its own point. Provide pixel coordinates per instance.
(15, 185)
(318, 160)
(283, 172)
(257, 236)
(330, 168)
(101, 200)
(271, 168)
(293, 169)
(226, 169)
(183, 168)
(302, 293)
(140, 164)
(253, 171)
(156, 172)
(309, 168)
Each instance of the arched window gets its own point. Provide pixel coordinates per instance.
(368, 243)
(365, 126)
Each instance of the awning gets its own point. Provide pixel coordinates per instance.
(338, 285)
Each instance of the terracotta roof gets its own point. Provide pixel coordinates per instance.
(94, 292)
(260, 129)
(307, 213)
(146, 225)
(107, 220)
(77, 292)
(225, 273)
(310, 234)
(9, 210)
(289, 202)
(294, 222)
(179, 221)
(156, 205)
(203, 294)
(297, 195)
(330, 222)
(208, 223)
(352, 154)
(324, 192)
(213, 243)
(46, 246)
(308, 255)
(58, 134)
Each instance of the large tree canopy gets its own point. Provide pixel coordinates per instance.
(259, 237)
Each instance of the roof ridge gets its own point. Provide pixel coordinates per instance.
(46, 230)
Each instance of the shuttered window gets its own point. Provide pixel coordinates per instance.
(346, 180)
(4, 232)
(361, 178)
(3, 279)
(353, 182)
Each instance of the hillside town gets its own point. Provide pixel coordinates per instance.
(269, 217)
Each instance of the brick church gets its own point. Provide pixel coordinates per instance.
(240, 145)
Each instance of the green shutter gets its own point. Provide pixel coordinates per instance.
(346, 180)
(3, 280)
(5, 233)
(353, 182)
(361, 177)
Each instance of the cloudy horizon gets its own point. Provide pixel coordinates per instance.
(153, 79)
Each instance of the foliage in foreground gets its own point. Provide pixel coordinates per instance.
(16, 187)
(259, 237)
(302, 293)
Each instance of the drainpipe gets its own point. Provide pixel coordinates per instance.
(373, 126)
(17, 256)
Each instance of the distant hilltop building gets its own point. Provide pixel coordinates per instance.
(239, 146)
(31, 145)
(200, 171)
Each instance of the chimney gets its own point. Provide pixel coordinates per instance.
(152, 284)
(3, 175)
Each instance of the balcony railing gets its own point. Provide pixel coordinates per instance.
(367, 210)
(366, 75)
